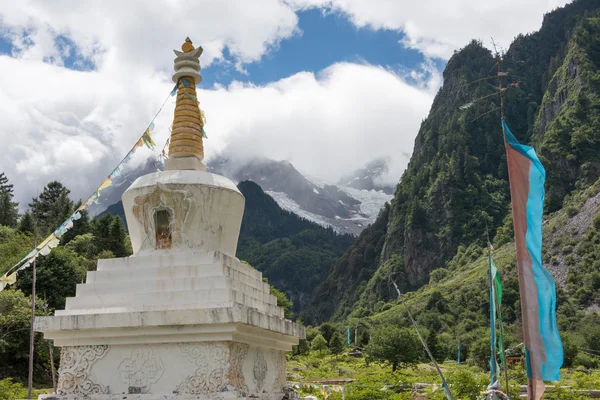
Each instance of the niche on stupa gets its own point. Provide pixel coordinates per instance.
(162, 214)
(163, 228)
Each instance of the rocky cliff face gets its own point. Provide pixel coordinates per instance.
(454, 193)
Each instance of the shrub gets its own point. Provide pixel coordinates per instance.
(572, 210)
(10, 390)
(570, 350)
(596, 222)
(437, 275)
(318, 343)
(586, 361)
(465, 384)
(398, 346)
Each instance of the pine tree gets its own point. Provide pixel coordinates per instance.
(319, 343)
(336, 345)
(26, 224)
(434, 347)
(52, 207)
(117, 236)
(8, 209)
(5, 187)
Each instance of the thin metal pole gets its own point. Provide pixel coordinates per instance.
(32, 332)
(445, 386)
(51, 351)
(500, 85)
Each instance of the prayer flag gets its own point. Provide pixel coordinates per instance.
(543, 346)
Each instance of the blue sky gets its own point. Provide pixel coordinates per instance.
(325, 38)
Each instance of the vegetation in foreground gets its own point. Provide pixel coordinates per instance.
(376, 379)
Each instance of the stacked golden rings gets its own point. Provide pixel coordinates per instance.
(186, 134)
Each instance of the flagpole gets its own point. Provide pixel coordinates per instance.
(32, 331)
(501, 90)
(445, 386)
(493, 361)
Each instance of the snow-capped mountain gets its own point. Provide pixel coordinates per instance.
(346, 209)
(369, 177)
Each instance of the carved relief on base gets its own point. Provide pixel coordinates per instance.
(278, 358)
(212, 362)
(75, 365)
(237, 355)
(259, 372)
(141, 369)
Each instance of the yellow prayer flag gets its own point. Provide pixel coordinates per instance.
(107, 182)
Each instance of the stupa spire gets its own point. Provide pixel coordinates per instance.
(186, 149)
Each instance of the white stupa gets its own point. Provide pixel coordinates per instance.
(182, 318)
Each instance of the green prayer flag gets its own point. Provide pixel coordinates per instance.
(497, 280)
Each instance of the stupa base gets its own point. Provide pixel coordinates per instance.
(171, 325)
(182, 370)
(210, 396)
(213, 396)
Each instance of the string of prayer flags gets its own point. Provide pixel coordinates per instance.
(117, 171)
(91, 200)
(107, 182)
(147, 140)
(6, 280)
(68, 224)
(203, 118)
(53, 240)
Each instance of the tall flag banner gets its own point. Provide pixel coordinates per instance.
(543, 346)
(348, 335)
(494, 369)
(497, 288)
(496, 335)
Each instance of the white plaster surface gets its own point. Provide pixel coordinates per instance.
(184, 163)
(208, 210)
(183, 368)
(189, 322)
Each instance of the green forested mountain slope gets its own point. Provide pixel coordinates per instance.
(455, 190)
(454, 305)
(293, 253)
(350, 274)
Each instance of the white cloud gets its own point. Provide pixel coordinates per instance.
(75, 126)
(326, 125)
(135, 32)
(438, 27)
(56, 123)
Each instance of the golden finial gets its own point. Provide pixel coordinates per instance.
(187, 46)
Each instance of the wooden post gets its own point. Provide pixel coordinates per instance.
(32, 331)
